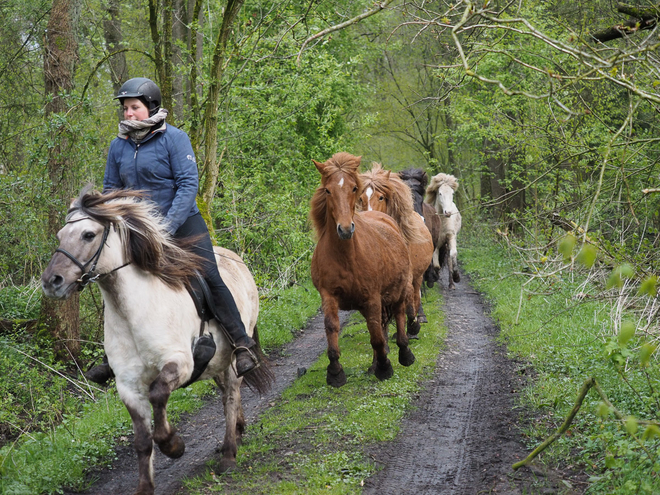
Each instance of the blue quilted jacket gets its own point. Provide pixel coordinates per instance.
(163, 165)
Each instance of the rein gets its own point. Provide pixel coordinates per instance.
(90, 277)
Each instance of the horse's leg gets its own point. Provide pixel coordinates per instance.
(140, 411)
(335, 375)
(412, 310)
(406, 357)
(453, 259)
(377, 325)
(169, 442)
(421, 316)
(230, 385)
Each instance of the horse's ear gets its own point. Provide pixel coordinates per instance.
(389, 172)
(319, 166)
(454, 185)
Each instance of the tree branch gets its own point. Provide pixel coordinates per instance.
(641, 19)
(380, 6)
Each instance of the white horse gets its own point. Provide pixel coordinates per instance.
(440, 194)
(151, 321)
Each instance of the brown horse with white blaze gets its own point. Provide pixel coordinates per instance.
(383, 190)
(360, 262)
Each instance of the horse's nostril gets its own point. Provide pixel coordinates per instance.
(56, 280)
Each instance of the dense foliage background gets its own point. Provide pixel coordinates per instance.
(545, 113)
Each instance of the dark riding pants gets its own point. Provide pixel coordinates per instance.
(225, 305)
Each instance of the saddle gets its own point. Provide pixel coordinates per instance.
(203, 346)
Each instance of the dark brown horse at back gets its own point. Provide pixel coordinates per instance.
(417, 181)
(360, 262)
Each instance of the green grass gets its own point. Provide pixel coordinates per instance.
(567, 338)
(313, 439)
(76, 433)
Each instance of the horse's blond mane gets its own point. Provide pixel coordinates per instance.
(436, 182)
(143, 232)
(339, 162)
(399, 199)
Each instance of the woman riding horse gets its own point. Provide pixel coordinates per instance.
(157, 158)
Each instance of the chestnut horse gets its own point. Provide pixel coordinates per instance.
(440, 194)
(360, 262)
(417, 180)
(384, 191)
(151, 323)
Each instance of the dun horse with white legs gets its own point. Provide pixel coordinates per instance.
(152, 323)
(440, 194)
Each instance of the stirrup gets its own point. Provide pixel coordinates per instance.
(251, 355)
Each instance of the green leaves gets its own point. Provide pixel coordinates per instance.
(587, 255)
(645, 353)
(626, 332)
(622, 272)
(566, 245)
(649, 286)
(631, 425)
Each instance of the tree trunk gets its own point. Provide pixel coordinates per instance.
(60, 56)
(113, 39)
(210, 168)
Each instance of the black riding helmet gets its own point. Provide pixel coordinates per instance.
(145, 90)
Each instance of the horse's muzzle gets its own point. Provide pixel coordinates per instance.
(54, 287)
(345, 234)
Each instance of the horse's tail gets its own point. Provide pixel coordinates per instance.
(259, 379)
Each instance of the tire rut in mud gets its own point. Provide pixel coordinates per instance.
(461, 437)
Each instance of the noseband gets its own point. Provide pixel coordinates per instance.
(90, 276)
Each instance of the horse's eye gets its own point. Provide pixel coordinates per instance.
(355, 189)
(381, 198)
(88, 236)
(327, 191)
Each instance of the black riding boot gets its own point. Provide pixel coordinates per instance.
(226, 313)
(100, 373)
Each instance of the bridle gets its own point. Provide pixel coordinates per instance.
(90, 276)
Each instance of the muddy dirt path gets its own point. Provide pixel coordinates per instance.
(461, 438)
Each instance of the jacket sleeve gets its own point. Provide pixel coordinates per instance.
(111, 178)
(186, 178)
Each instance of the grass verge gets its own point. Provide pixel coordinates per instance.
(313, 438)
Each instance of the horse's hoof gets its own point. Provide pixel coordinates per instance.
(144, 489)
(451, 286)
(173, 448)
(385, 372)
(336, 380)
(413, 328)
(422, 319)
(430, 284)
(456, 276)
(226, 466)
(406, 357)
(412, 337)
